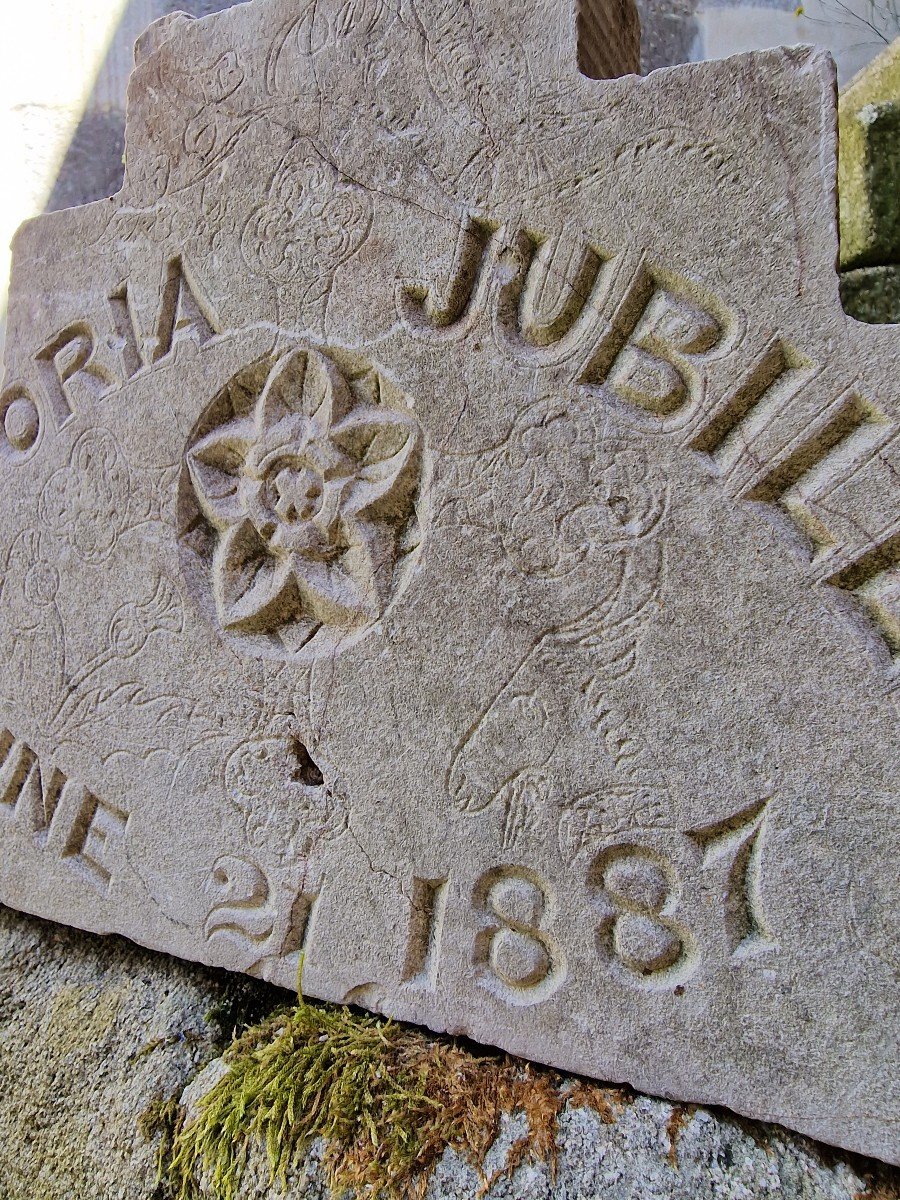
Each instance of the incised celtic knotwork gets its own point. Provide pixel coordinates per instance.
(299, 495)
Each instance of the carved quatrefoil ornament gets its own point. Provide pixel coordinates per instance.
(298, 504)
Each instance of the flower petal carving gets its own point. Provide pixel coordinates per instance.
(307, 486)
(216, 465)
(385, 444)
(302, 385)
(252, 588)
(333, 594)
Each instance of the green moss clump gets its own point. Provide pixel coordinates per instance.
(387, 1099)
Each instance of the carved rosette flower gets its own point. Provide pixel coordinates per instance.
(311, 497)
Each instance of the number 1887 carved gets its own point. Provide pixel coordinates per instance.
(643, 931)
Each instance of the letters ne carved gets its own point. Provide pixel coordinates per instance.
(63, 817)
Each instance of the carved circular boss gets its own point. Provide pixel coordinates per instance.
(298, 503)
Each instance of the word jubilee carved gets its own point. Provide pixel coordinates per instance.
(329, 533)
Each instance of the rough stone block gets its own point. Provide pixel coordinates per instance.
(451, 538)
(872, 293)
(869, 124)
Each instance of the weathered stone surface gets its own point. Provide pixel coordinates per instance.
(869, 125)
(93, 1031)
(872, 293)
(451, 530)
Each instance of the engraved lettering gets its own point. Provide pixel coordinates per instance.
(243, 909)
(299, 925)
(472, 264)
(777, 376)
(736, 842)
(426, 921)
(183, 311)
(70, 356)
(21, 424)
(536, 261)
(271, 926)
(95, 826)
(515, 957)
(24, 788)
(873, 580)
(648, 356)
(816, 464)
(636, 892)
(17, 761)
(126, 330)
(64, 818)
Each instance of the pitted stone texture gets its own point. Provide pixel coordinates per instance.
(92, 1032)
(451, 533)
(869, 127)
(82, 1016)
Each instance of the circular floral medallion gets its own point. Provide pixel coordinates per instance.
(298, 502)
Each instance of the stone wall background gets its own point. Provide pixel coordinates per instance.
(869, 190)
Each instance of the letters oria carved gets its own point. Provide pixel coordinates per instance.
(299, 503)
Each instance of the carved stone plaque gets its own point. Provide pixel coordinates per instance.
(450, 532)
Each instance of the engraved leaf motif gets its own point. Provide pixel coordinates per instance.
(158, 723)
(522, 799)
(451, 56)
(211, 82)
(572, 832)
(597, 815)
(133, 623)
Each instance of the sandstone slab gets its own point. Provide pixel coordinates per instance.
(451, 538)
